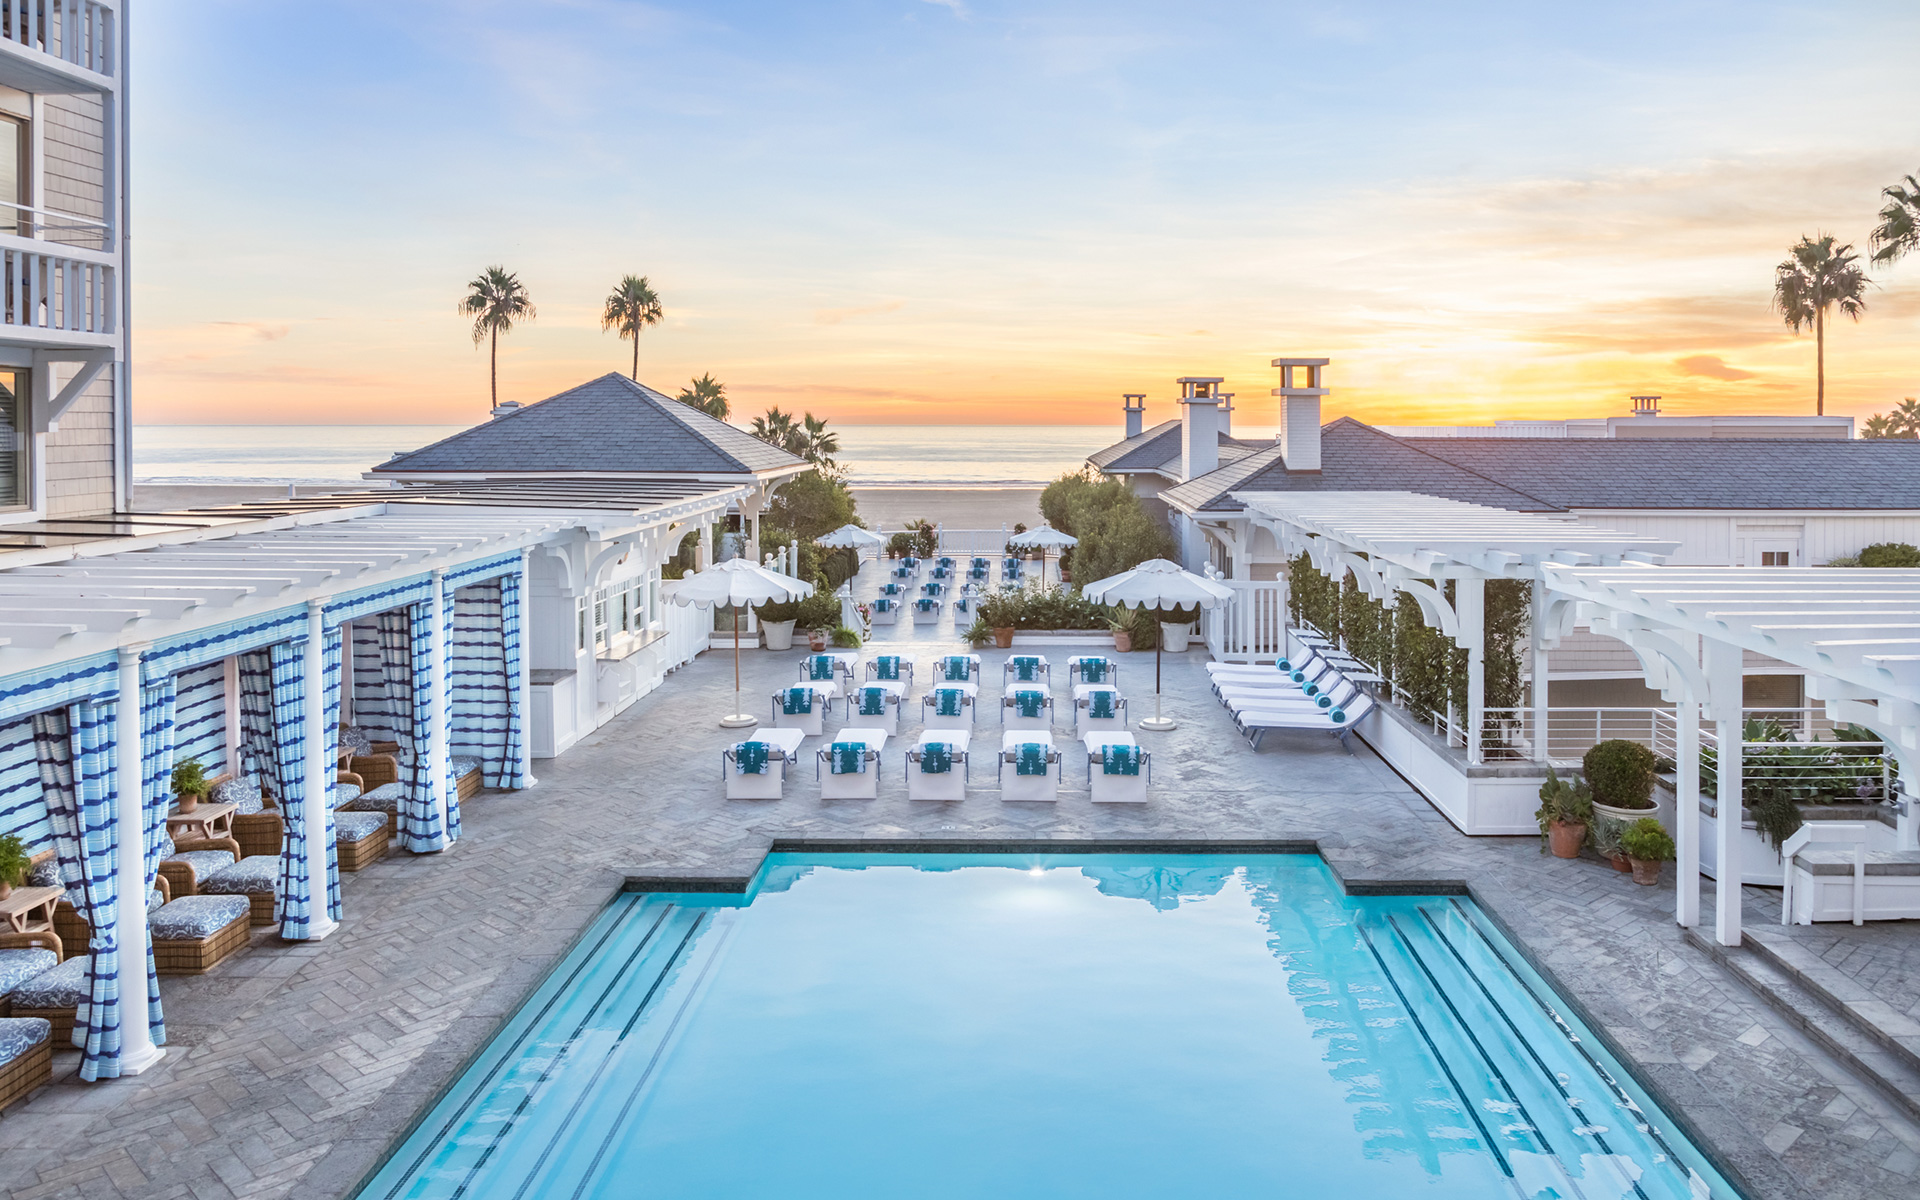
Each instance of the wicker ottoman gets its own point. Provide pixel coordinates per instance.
(360, 838)
(466, 775)
(54, 996)
(193, 933)
(18, 964)
(257, 877)
(75, 931)
(26, 1057)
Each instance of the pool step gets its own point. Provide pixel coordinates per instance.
(1861, 1047)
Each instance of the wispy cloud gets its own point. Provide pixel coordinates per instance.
(1711, 366)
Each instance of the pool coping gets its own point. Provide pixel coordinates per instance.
(1730, 1146)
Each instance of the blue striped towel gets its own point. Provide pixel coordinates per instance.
(1026, 667)
(750, 758)
(925, 605)
(936, 758)
(1030, 758)
(820, 666)
(1120, 760)
(887, 666)
(1093, 670)
(1100, 705)
(847, 758)
(946, 701)
(885, 604)
(798, 701)
(957, 666)
(892, 589)
(1029, 701)
(873, 702)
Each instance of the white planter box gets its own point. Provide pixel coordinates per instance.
(1174, 638)
(779, 634)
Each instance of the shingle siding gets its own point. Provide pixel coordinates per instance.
(80, 463)
(73, 150)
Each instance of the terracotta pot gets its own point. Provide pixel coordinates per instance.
(1646, 871)
(6, 889)
(1122, 640)
(1566, 838)
(188, 802)
(1003, 638)
(816, 640)
(1621, 862)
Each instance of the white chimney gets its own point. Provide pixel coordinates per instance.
(1226, 412)
(1136, 410)
(506, 408)
(1300, 412)
(1645, 406)
(1199, 425)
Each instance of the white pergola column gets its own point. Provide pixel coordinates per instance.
(1542, 714)
(1723, 670)
(437, 716)
(1470, 604)
(319, 774)
(1686, 810)
(523, 686)
(137, 1051)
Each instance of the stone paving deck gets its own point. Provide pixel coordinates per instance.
(293, 1068)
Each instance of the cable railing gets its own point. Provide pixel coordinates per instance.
(52, 225)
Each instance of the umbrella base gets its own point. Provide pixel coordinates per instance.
(1158, 724)
(739, 721)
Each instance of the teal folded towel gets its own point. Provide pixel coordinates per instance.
(1100, 706)
(1093, 670)
(936, 758)
(887, 666)
(1323, 700)
(925, 605)
(1026, 667)
(930, 589)
(957, 667)
(847, 758)
(873, 702)
(892, 589)
(750, 758)
(960, 605)
(820, 666)
(797, 702)
(941, 572)
(1028, 702)
(946, 701)
(884, 604)
(1120, 760)
(1030, 758)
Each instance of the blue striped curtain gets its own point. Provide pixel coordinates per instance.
(259, 756)
(332, 651)
(377, 709)
(157, 703)
(293, 904)
(200, 716)
(483, 707)
(510, 645)
(423, 831)
(76, 753)
(23, 810)
(447, 604)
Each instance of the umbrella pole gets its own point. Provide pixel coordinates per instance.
(738, 720)
(1158, 724)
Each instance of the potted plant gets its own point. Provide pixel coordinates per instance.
(14, 862)
(1647, 844)
(777, 619)
(1122, 634)
(1566, 809)
(979, 634)
(1621, 774)
(820, 615)
(998, 613)
(190, 784)
(1175, 633)
(846, 639)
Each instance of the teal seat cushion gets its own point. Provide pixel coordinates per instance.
(464, 763)
(386, 798)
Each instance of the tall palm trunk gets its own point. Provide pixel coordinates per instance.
(493, 369)
(636, 356)
(1820, 362)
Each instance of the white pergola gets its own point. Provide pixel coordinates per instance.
(1406, 542)
(1856, 634)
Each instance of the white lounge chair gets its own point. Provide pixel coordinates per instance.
(1092, 668)
(947, 706)
(1027, 668)
(1341, 695)
(849, 775)
(1255, 723)
(938, 777)
(760, 774)
(803, 706)
(955, 668)
(875, 704)
(827, 670)
(1124, 779)
(926, 611)
(891, 668)
(886, 611)
(1098, 709)
(1026, 708)
(1021, 751)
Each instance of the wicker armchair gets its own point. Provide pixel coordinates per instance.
(182, 874)
(374, 770)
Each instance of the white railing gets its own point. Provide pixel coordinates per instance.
(73, 292)
(1511, 734)
(52, 225)
(686, 634)
(77, 32)
(1252, 625)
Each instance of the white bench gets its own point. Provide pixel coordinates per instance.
(1830, 875)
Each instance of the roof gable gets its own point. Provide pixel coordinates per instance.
(609, 424)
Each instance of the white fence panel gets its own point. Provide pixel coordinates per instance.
(1251, 626)
(687, 629)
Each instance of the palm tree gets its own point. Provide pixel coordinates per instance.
(775, 429)
(1880, 427)
(1898, 233)
(708, 395)
(1906, 417)
(818, 446)
(1816, 276)
(631, 307)
(497, 302)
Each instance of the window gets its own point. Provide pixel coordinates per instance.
(600, 619)
(1776, 558)
(16, 440)
(580, 620)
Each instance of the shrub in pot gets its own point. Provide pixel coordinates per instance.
(1621, 775)
(1647, 844)
(14, 862)
(190, 784)
(1565, 812)
(777, 619)
(1122, 635)
(980, 633)
(846, 639)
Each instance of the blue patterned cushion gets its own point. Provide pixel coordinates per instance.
(167, 848)
(65, 986)
(354, 740)
(203, 862)
(386, 798)
(254, 874)
(46, 874)
(191, 918)
(18, 966)
(358, 826)
(21, 1034)
(244, 793)
(344, 793)
(463, 763)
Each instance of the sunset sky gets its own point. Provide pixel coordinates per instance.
(970, 210)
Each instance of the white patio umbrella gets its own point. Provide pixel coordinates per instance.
(850, 537)
(736, 582)
(1045, 538)
(1157, 584)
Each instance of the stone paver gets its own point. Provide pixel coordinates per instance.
(292, 1069)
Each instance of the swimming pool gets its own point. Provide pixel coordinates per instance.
(1062, 1026)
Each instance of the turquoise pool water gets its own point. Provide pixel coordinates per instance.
(1023, 1027)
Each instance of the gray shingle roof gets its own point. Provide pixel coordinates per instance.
(1553, 474)
(1157, 450)
(608, 424)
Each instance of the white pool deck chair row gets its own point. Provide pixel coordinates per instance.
(938, 767)
(1312, 694)
(849, 767)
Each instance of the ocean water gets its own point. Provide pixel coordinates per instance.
(875, 455)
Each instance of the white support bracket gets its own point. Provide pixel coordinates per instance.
(92, 362)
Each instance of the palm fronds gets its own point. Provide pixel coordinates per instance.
(631, 307)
